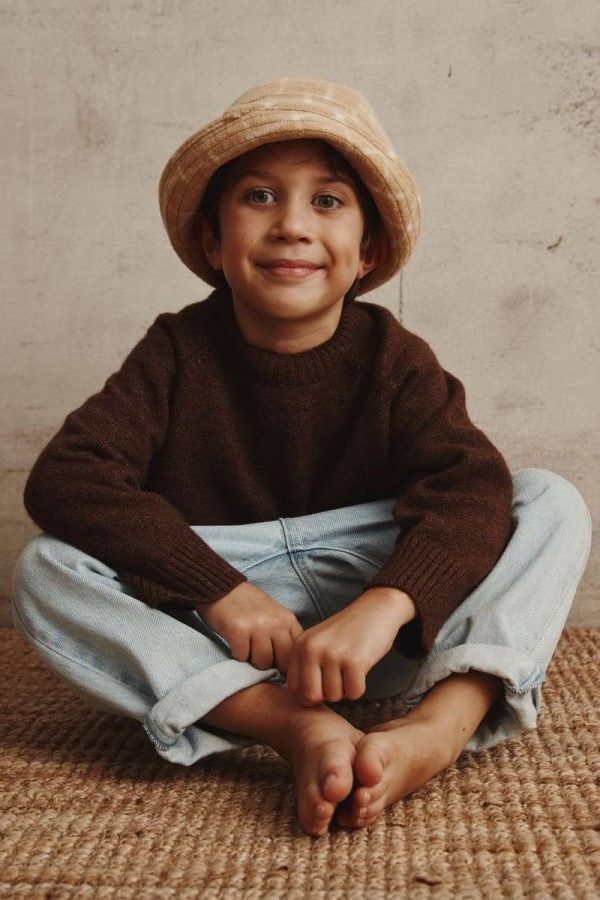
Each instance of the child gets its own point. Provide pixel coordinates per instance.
(280, 502)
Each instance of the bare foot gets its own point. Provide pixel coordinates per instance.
(392, 760)
(321, 747)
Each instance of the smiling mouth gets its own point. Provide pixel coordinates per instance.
(290, 271)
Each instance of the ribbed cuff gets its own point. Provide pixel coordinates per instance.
(195, 568)
(193, 575)
(434, 580)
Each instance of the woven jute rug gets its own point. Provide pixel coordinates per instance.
(88, 808)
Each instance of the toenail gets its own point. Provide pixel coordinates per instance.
(363, 811)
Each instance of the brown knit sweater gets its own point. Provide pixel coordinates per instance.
(200, 427)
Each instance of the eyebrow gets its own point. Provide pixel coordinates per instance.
(265, 173)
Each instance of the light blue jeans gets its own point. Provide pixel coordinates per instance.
(167, 670)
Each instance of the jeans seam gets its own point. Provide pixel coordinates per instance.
(558, 608)
(76, 662)
(304, 577)
(258, 562)
(525, 690)
(519, 691)
(289, 549)
(341, 550)
(367, 559)
(157, 735)
(535, 678)
(304, 573)
(576, 577)
(148, 724)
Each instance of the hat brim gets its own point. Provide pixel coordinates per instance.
(188, 171)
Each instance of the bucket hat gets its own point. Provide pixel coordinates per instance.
(287, 109)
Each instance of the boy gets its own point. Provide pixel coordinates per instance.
(280, 404)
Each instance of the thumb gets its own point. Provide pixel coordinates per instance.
(296, 630)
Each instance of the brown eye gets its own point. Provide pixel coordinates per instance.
(257, 195)
(330, 197)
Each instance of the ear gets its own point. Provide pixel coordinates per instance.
(210, 245)
(373, 251)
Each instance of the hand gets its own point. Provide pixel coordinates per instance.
(330, 661)
(257, 628)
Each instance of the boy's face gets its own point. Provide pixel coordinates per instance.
(283, 202)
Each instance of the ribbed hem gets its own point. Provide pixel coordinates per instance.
(433, 579)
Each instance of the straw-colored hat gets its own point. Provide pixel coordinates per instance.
(286, 109)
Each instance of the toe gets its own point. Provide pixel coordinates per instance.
(347, 819)
(367, 800)
(315, 814)
(366, 821)
(336, 782)
(372, 758)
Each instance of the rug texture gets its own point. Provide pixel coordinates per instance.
(88, 808)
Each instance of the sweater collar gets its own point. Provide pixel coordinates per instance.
(308, 366)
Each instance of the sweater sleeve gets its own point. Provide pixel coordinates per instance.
(453, 501)
(87, 486)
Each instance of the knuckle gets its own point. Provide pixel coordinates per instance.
(237, 629)
(360, 665)
(260, 661)
(335, 696)
(331, 659)
(281, 662)
(309, 647)
(310, 699)
(356, 691)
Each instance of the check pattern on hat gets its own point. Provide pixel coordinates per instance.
(288, 109)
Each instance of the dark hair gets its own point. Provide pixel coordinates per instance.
(209, 204)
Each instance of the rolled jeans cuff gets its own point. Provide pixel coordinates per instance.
(516, 711)
(167, 723)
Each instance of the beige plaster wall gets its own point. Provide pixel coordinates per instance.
(494, 107)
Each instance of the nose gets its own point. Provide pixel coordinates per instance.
(292, 220)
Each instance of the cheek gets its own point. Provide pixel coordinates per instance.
(351, 254)
(348, 243)
(242, 231)
(234, 241)
(238, 251)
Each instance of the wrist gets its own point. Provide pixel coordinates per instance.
(393, 599)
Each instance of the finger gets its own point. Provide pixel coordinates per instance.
(240, 647)
(310, 681)
(333, 682)
(354, 682)
(292, 671)
(296, 630)
(261, 654)
(282, 645)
